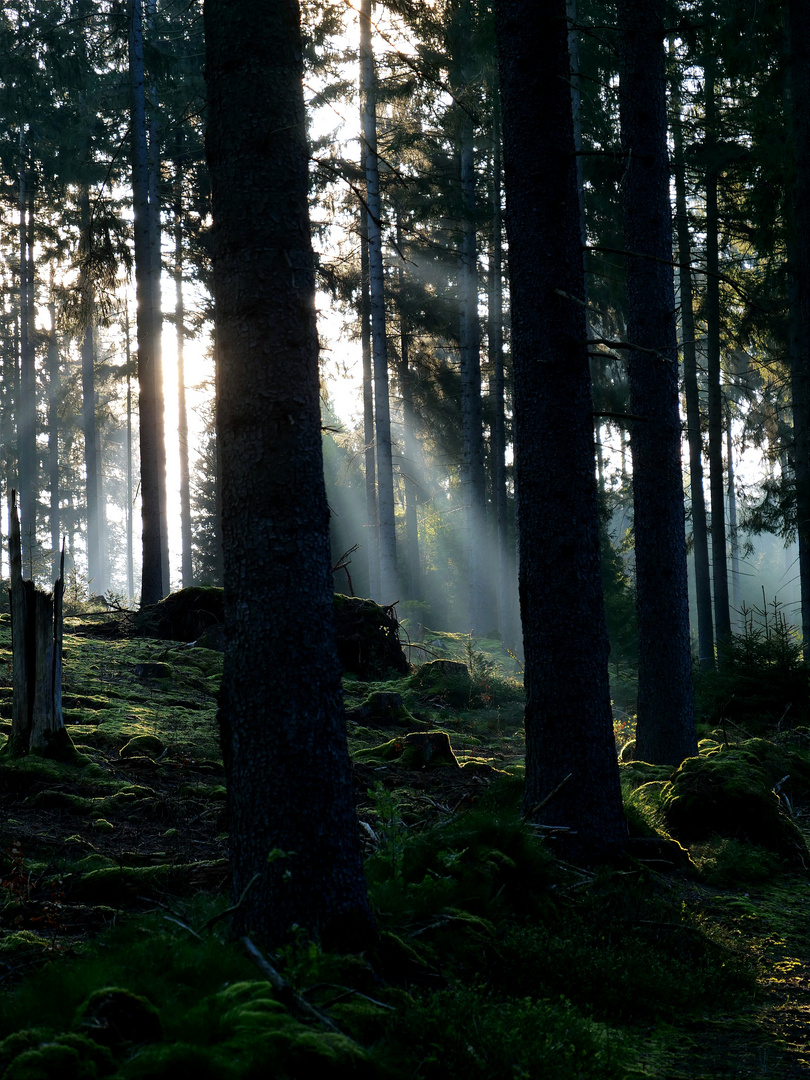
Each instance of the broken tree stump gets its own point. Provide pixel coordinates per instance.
(37, 723)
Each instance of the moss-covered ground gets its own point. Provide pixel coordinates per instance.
(495, 959)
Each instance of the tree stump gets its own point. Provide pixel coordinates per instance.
(37, 723)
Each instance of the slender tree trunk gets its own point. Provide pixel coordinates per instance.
(505, 575)
(722, 619)
(130, 544)
(732, 522)
(700, 537)
(54, 397)
(665, 731)
(389, 583)
(26, 400)
(187, 575)
(473, 486)
(154, 581)
(408, 467)
(571, 768)
(91, 463)
(799, 24)
(369, 438)
(294, 843)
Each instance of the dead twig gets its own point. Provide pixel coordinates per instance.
(286, 994)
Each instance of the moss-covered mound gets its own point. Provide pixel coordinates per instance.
(446, 681)
(729, 793)
(183, 615)
(368, 638)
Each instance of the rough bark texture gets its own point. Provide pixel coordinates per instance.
(293, 833)
(666, 721)
(154, 584)
(722, 617)
(570, 751)
(36, 641)
(700, 536)
(389, 582)
(799, 17)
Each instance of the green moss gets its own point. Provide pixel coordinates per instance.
(728, 793)
(117, 1018)
(143, 746)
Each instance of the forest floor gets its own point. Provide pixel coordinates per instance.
(499, 960)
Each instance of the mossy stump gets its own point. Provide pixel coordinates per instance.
(37, 724)
(368, 638)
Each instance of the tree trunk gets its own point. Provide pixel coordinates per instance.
(666, 721)
(722, 618)
(473, 488)
(389, 582)
(27, 398)
(37, 724)
(154, 583)
(700, 537)
(130, 545)
(505, 571)
(54, 397)
(732, 522)
(799, 23)
(187, 575)
(372, 520)
(572, 777)
(294, 841)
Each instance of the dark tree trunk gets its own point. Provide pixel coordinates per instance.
(505, 568)
(800, 356)
(36, 641)
(700, 536)
(154, 581)
(54, 398)
(389, 583)
(666, 721)
(571, 766)
(722, 618)
(372, 520)
(27, 398)
(187, 575)
(294, 842)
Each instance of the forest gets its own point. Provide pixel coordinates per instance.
(405, 422)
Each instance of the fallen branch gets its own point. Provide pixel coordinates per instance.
(287, 995)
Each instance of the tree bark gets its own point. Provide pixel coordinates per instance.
(37, 724)
(187, 575)
(571, 765)
(27, 398)
(389, 579)
(700, 536)
(722, 618)
(54, 397)
(666, 731)
(369, 438)
(799, 25)
(294, 841)
(154, 582)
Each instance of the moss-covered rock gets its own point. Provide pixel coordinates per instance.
(729, 793)
(143, 746)
(446, 680)
(117, 1018)
(383, 709)
(635, 773)
(37, 1054)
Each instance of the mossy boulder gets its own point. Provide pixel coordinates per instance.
(117, 1018)
(446, 680)
(382, 709)
(143, 746)
(37, 1054)
(635, 773)
(729, 794)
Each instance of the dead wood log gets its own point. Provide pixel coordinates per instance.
(37, 723)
